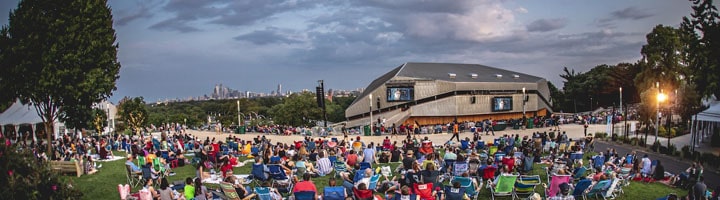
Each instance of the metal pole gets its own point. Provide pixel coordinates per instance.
(523, 99)
(657, 111)
(371, 119)
(621, 109)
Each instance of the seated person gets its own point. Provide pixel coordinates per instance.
(189, 189)
(405, 194)
(503, 172)
(134, 168)
(449, 195)
(564, 193)
(362, 192)
(349, 185)
(305, 185)
(659, 171)
(242, 191)
(274, 193)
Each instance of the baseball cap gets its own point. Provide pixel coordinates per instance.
(564, 188)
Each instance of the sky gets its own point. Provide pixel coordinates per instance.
(180, 48)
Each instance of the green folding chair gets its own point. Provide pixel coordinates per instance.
(525, 185)
(141, 161)
(504, 187)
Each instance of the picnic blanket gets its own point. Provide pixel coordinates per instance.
(215, 179)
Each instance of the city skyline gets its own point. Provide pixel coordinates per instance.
(221, 91)
(171, 49)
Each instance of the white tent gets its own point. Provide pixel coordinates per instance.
(19, 114)
(712, 114)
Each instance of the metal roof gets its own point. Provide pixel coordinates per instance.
(463, 73)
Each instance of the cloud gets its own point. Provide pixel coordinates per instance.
(521, 10)
(174, 25)
(141, 12)
(270, 35)
(629, 13)
(545, 25)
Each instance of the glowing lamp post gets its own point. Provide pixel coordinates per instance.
(660, 98)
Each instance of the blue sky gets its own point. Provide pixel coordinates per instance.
(182, 48)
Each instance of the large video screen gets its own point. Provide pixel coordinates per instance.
(400, 94)
(502, 104)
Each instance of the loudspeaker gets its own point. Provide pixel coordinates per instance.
(472, 100)
(320, 95)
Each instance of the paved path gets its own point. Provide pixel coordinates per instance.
(672, 164)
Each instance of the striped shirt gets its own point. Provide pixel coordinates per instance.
(324, 166)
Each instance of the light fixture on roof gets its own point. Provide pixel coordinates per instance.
(498, 76)
(452, 75)
(473, 75)
(515, 76)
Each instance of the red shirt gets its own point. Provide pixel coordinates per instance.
(226, 168)
(352, 159)
(509, 162)
(304, 186)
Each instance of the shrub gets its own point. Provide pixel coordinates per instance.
(685, 152)
(662, 132)
(24, 177)
(600, 135)
(656, 146)
(671, 149)
(634, 141)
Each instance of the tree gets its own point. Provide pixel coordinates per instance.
(99, 119)
(298, 109)
(59, 54)
(702, 35)
(132, 111)
(557, 98)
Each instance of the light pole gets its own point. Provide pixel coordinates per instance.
(660, 97)
(524, 119)
(108, 116)
(523, 99)
(238, 113)
(621, 110)
(371, 119)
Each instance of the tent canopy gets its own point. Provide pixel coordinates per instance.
(19, 113)
(712, 114)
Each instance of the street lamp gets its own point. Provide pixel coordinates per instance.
(108, 116)
(660, 97)
(523, 99)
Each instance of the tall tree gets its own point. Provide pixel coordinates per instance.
(702, 33)
(60, 54)
(99, 120)
(132, 111)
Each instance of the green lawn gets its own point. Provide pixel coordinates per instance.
(103, 184)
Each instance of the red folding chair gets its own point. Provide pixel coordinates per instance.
(425, 191)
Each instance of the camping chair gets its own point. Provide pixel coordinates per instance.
(258, 174)
(598, 188)
(525, 185)
(562, 147)
(300, 171)
(555, 182)
(263, 193)
(580, 187)
(580, 173)
(304, 195)
(425, 191)
(467, 185)
(489, 172)
(493, 149)
(454, 193)
(373, 182)
(473, 166)
(499, 156)
(333, 159)
(598, 162)
(459, 167)
(479, 145)
(141, 161)
(229, 191)
(362, 194)
(610, 192)
(334, 193)
(504, 187)
(133, 179)
(339, 168)
(364, 165)
(528, 163)
(281, 181)
(464, 145)
(448, 163)
(254, 151)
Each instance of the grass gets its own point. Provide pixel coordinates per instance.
(103, 184)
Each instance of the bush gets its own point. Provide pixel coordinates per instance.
(671, 149)
(634, 141)
(24, 177)
(656, 146)
(662, 132)
(685, 152)
(600, 135)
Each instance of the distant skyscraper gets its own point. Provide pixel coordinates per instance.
(279, 90)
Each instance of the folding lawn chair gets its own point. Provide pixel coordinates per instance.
(373, 182)
(333, 159)
(362, 194)
(281, 181)
(425, 191)
(610, 191)
(493, 149)
(580, 173)
(459, 168)
(339, 167)
(133, 179)
(555, 182)
(467, 185)
(258, 174)
(364, 165)
(454, 193)
(304, 195)
(580, 188)
(489, 172)
(334, 193)
(504, 187)
(525, 185)
(597, 189)
(263, 193)
(229, 191)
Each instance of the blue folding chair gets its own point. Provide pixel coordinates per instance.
(258, 174)
(304, 195)
(480, 145)
(580, 188)
(339, 167)
(358, 175)
(281, 181)
(275, 159)
(254, 151)
(499, 156)
(225, 150)
(332, 159)
(373, 182)
(263, 193)
(364, 165)
(598, 162)
(334, 193)
(165, 155)
(580, 173)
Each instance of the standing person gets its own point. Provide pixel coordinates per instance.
(455, 135)
(393, 131)
(490, 127)
(698, 190)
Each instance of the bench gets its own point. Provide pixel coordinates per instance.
(67, 167)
